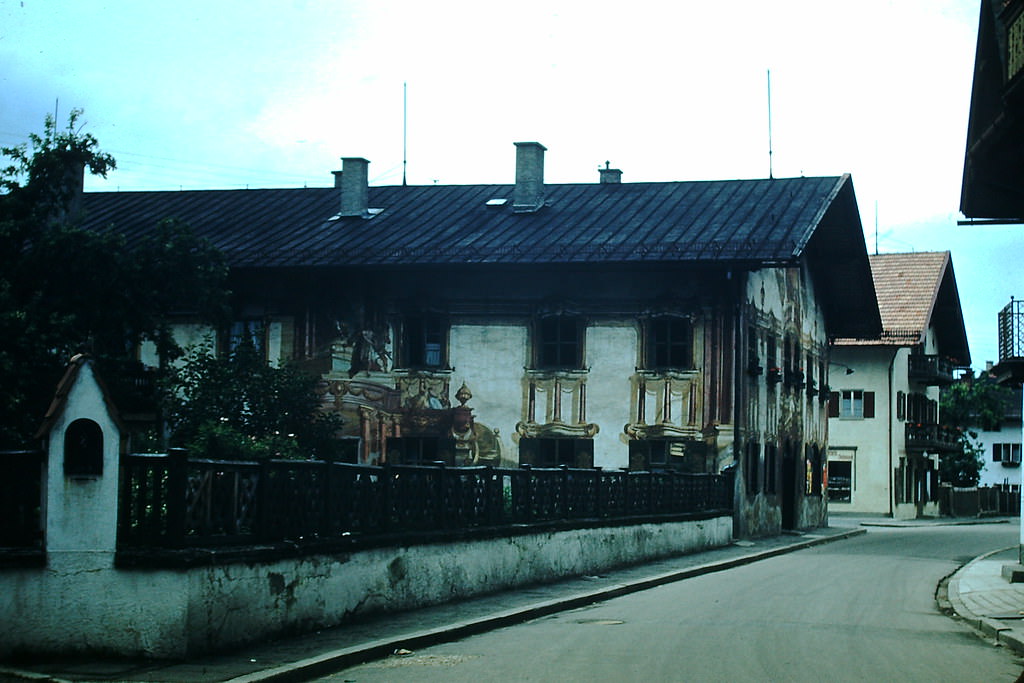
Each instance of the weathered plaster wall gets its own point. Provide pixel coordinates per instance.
(612, 357)
(781, 303)
(172, 613)
(878, 442)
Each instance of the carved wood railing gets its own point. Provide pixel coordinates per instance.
(170, 501)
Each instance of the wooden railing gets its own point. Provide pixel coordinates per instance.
(170, 501)
(21, 480)
(933, 437)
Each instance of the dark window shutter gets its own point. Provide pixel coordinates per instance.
(869, 404)
(833, 404)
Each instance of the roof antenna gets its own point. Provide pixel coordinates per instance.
(770, 175)
(876, 227)
(405, 127)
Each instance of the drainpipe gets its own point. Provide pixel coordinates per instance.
(889, 417)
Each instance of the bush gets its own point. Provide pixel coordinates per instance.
(238, 407)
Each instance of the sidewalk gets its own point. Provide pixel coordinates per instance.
(328, 650)
(982, 597)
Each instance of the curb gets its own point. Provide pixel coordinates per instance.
(986, 626)
(346, 657)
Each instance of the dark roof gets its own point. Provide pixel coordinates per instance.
(60, 396)
(731, 223)
(993, 179)
(739, 220)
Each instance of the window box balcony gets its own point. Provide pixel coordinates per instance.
(930, 370)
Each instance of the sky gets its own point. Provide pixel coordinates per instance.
(235, 94)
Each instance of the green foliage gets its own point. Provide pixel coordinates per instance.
(969, 404)
(237, 407)
(65, 290)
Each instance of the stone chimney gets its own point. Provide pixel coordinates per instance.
(609, 175)
(528, 195)
(355, 190)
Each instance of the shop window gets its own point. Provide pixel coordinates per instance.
(840, 481)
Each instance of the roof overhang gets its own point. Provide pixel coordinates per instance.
(838, 262)
(993, 178)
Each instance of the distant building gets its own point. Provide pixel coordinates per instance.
(885, 430)
(1002, 447)
(663, 326)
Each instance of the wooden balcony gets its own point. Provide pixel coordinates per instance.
(932, 437)
(930, 370)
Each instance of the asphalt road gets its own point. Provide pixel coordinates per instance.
(861, 609)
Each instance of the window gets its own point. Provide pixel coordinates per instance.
(669, 343)
(659, 455)
(901, 405)
(559, 343)
(771, 452)
(852, 404)
(554, 452)
(771, 354)
(1006, 453)
(250, 331)
(414, 450)
(753, 360)
(840, 481)
(424, 341)
(753, 466)
(812, 456)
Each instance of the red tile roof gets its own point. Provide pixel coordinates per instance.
(916, 291)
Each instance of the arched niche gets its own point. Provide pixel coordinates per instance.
(83, 449)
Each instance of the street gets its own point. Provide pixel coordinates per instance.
(861, 609)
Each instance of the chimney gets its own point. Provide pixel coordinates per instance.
(609, 175)
(528, 195)
(355, 192)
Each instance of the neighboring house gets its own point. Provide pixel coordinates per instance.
(1001, 447)
(674, 325)
(885, 432)
(993, 182)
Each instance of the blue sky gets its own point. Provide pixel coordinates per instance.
(270, 94)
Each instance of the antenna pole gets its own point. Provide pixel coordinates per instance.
(770, 175)
(405, 127)
(876, 227)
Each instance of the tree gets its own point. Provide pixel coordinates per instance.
(970, 404)
(236, 406)
(65, 290)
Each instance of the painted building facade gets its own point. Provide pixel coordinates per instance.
(885, 431)
(679, 325)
